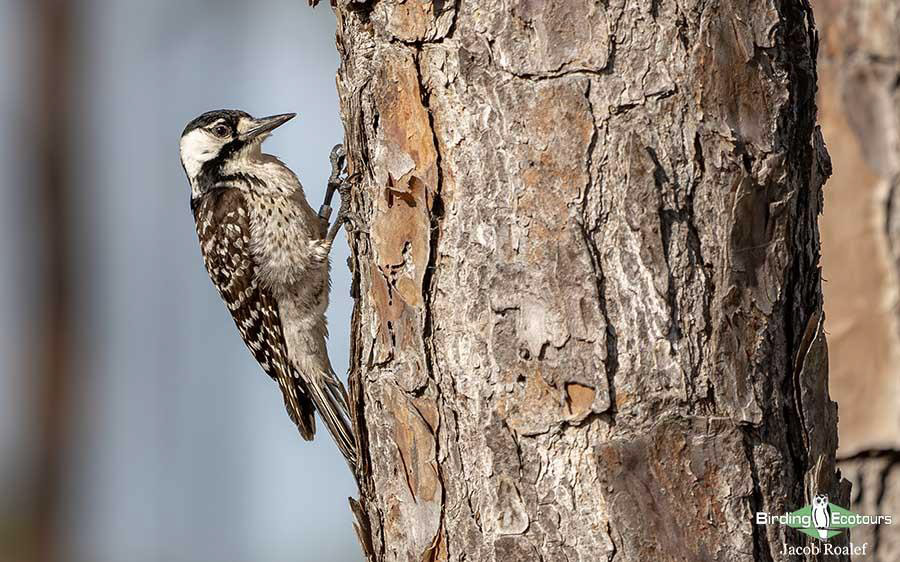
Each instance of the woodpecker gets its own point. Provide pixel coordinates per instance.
(267, 253)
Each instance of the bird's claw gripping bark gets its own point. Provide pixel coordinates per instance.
(345, 215)
(344, 186)
(338, 158)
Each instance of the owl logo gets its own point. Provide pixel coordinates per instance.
(821, 515)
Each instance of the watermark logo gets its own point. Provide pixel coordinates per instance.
(823, 520)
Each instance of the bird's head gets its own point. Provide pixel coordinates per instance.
(218, 138)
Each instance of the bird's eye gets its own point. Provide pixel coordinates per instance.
(220, 131)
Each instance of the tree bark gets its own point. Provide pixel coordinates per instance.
(588, 319)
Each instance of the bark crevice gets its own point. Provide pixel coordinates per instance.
(429, 292)
(591, 226)
(762, 550)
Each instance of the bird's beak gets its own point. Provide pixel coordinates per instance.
(265, 124)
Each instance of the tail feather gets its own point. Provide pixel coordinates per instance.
(300, 409)
(330, 399)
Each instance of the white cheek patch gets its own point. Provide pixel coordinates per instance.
(197, 148)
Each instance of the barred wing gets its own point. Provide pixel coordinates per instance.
(223, 225)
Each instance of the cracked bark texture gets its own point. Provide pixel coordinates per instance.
(589, 321)
(860, 99)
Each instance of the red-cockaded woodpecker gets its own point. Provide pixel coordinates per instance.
(266, 252)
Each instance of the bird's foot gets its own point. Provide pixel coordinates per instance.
(349, 218)
(346, 217)
(345, 187)
(338, 158)
(354, 223)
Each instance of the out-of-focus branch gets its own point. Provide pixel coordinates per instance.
(51, 95)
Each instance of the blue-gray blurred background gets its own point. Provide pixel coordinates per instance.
(134, 425)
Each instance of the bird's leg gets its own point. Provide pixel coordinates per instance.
(345, 215)
(343, 186)
(337, 157)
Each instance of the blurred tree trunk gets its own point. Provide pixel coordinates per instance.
(45, 127)
(860, 100)
(589, 319)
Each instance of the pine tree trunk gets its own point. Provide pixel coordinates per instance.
(589, 320)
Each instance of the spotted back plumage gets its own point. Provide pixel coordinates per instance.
(223, 226)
